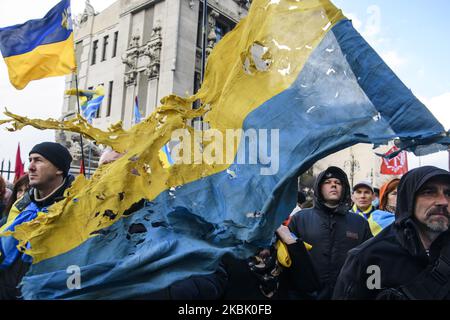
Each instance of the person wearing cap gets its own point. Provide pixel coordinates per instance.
(48, 178)
(362, 197)
(330, 228)
(410, 259)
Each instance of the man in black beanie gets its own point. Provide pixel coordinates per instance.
(49, 178)
(49, 167)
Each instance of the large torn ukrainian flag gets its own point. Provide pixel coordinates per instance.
(39, 48)
(137, 226)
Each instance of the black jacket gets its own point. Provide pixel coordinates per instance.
(299, 281)
(396, 252)
(11, 277)
(331, 232)
(202, 287)
(2, 207)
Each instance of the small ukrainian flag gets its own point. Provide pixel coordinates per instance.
(39, 48)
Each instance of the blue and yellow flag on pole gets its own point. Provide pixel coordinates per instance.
(296, 74)
(137, 113)
(90, 101)
(39, 48)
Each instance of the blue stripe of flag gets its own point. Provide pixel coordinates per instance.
(91, 108)
(23, 38)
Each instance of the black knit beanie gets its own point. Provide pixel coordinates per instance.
(56, 154)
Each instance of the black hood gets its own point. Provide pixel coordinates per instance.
(410, 183)
(345, 203)
(405, 226)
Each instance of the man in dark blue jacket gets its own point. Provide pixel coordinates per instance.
(330, 228)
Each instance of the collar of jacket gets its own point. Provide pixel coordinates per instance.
(342, 209)
(408, 236)
(58, 195)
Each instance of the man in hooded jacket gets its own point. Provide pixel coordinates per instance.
(330, 227)
(410, 259)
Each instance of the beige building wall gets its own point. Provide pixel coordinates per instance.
(359, 162)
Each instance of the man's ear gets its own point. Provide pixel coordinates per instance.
(59, 172)
(353, 197)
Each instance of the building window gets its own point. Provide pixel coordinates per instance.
(142, 93)
(197, 84)
(148, 24)
(200, 28)
(78, 50)
(94, 52)
(105, 47)
(110, 90)
(100, 106)
(222, 29)
(223, 25)
(116, 38)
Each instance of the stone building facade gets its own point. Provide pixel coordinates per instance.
(146, 49)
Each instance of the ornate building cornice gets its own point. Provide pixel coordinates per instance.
(143, 57)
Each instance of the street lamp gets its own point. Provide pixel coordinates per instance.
(353, 166)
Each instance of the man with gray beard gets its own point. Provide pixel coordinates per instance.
(410, 259)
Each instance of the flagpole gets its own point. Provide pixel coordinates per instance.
(81, 136)
(204, 43)
(204, 38)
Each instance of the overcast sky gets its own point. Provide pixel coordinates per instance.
(410, 35)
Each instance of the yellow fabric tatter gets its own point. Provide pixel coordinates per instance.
(307, 246)
(276, 39)
(283, 254)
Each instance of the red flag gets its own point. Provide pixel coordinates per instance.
(395, 166)
(82, 170)
(19, 169)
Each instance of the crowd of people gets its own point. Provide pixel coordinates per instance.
(350, 244)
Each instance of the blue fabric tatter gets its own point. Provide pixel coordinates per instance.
(8, 244)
